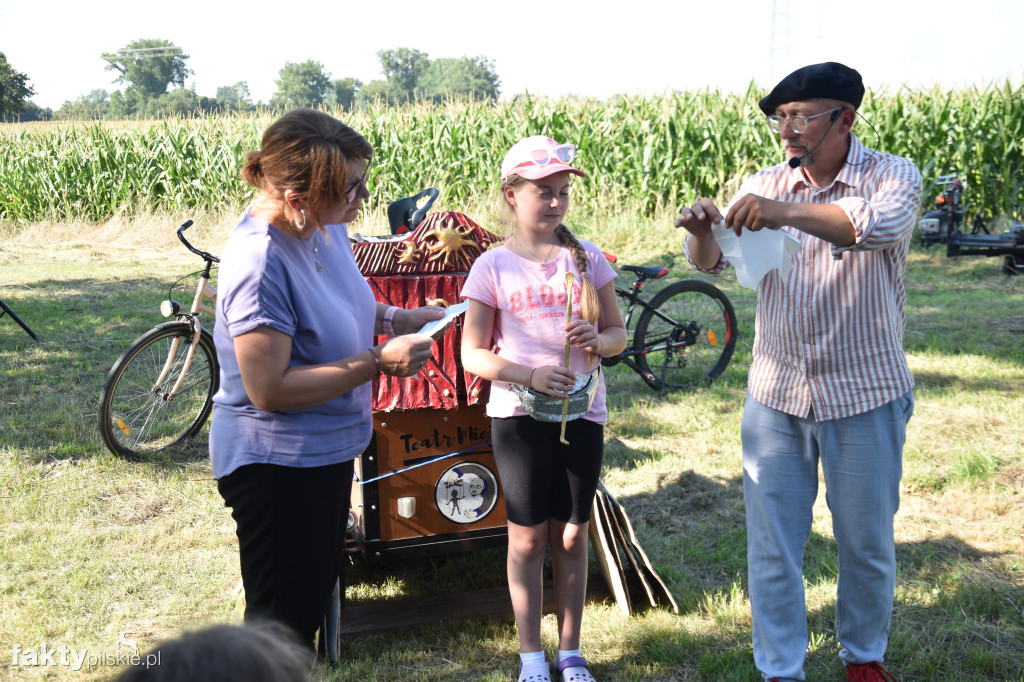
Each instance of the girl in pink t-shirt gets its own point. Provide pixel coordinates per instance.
(515, 333)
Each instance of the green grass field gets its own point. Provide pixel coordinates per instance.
(92, 546)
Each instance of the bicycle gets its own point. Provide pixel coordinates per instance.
(684, 336)
(160, 390)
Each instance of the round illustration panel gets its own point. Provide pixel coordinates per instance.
(466, 492)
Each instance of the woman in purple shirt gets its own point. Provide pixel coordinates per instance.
(294, 334)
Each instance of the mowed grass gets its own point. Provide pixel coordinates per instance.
(93, 546)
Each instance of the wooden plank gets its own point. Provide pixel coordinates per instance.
(607, 558)
(615, 547)
(662, 588)
(620, 541)
(631, 578)
(404, 614)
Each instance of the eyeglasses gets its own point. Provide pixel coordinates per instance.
(798, 124)
(563, 152)
(351, 195)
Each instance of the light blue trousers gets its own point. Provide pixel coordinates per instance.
(861, 459)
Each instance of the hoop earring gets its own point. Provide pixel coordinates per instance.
(300, 228)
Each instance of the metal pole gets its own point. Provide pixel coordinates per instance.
(8, 311)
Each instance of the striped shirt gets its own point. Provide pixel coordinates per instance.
(829, 337)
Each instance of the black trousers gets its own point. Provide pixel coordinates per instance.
(291, 539)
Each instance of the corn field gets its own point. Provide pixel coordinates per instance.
(644, 154)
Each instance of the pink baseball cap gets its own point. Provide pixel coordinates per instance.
(538, 157)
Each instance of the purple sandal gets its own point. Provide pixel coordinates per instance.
(577, 675)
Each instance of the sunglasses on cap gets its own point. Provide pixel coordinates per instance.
(563, 152)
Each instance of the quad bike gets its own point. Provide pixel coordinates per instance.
(943, 224)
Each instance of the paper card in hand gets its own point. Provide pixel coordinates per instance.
(435, 328)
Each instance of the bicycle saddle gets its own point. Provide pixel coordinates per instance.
(647, 271)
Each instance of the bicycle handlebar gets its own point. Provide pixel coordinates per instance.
(202, 254)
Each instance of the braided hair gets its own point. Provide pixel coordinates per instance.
(590, 305)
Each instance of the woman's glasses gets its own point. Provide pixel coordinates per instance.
(563, 152)
(354, 191)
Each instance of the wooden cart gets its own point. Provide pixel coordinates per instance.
(427, 484)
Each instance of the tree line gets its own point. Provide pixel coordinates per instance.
(154, 72)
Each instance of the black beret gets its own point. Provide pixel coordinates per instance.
(830, 80)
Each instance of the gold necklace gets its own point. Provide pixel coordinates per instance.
(532, 255)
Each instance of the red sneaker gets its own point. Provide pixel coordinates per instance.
(868, 672)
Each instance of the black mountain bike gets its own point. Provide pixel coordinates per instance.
(683, 338)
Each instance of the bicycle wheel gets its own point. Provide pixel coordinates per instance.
(686, 337)
(135, 416)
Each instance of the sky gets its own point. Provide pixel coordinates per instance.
(594, 48)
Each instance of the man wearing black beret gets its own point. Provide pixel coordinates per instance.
(829, 383)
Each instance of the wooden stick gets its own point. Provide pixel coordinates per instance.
(568, 317)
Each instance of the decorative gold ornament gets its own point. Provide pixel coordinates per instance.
(450, 243)
(409, 253)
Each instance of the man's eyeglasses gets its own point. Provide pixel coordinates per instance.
(798, 124)
(563, 152)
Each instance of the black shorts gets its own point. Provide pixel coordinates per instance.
(543, 478)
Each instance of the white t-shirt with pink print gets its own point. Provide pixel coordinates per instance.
(529, 327)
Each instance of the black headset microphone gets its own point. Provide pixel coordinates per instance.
(797, 160)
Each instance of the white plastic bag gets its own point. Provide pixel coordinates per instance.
(754, 254)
